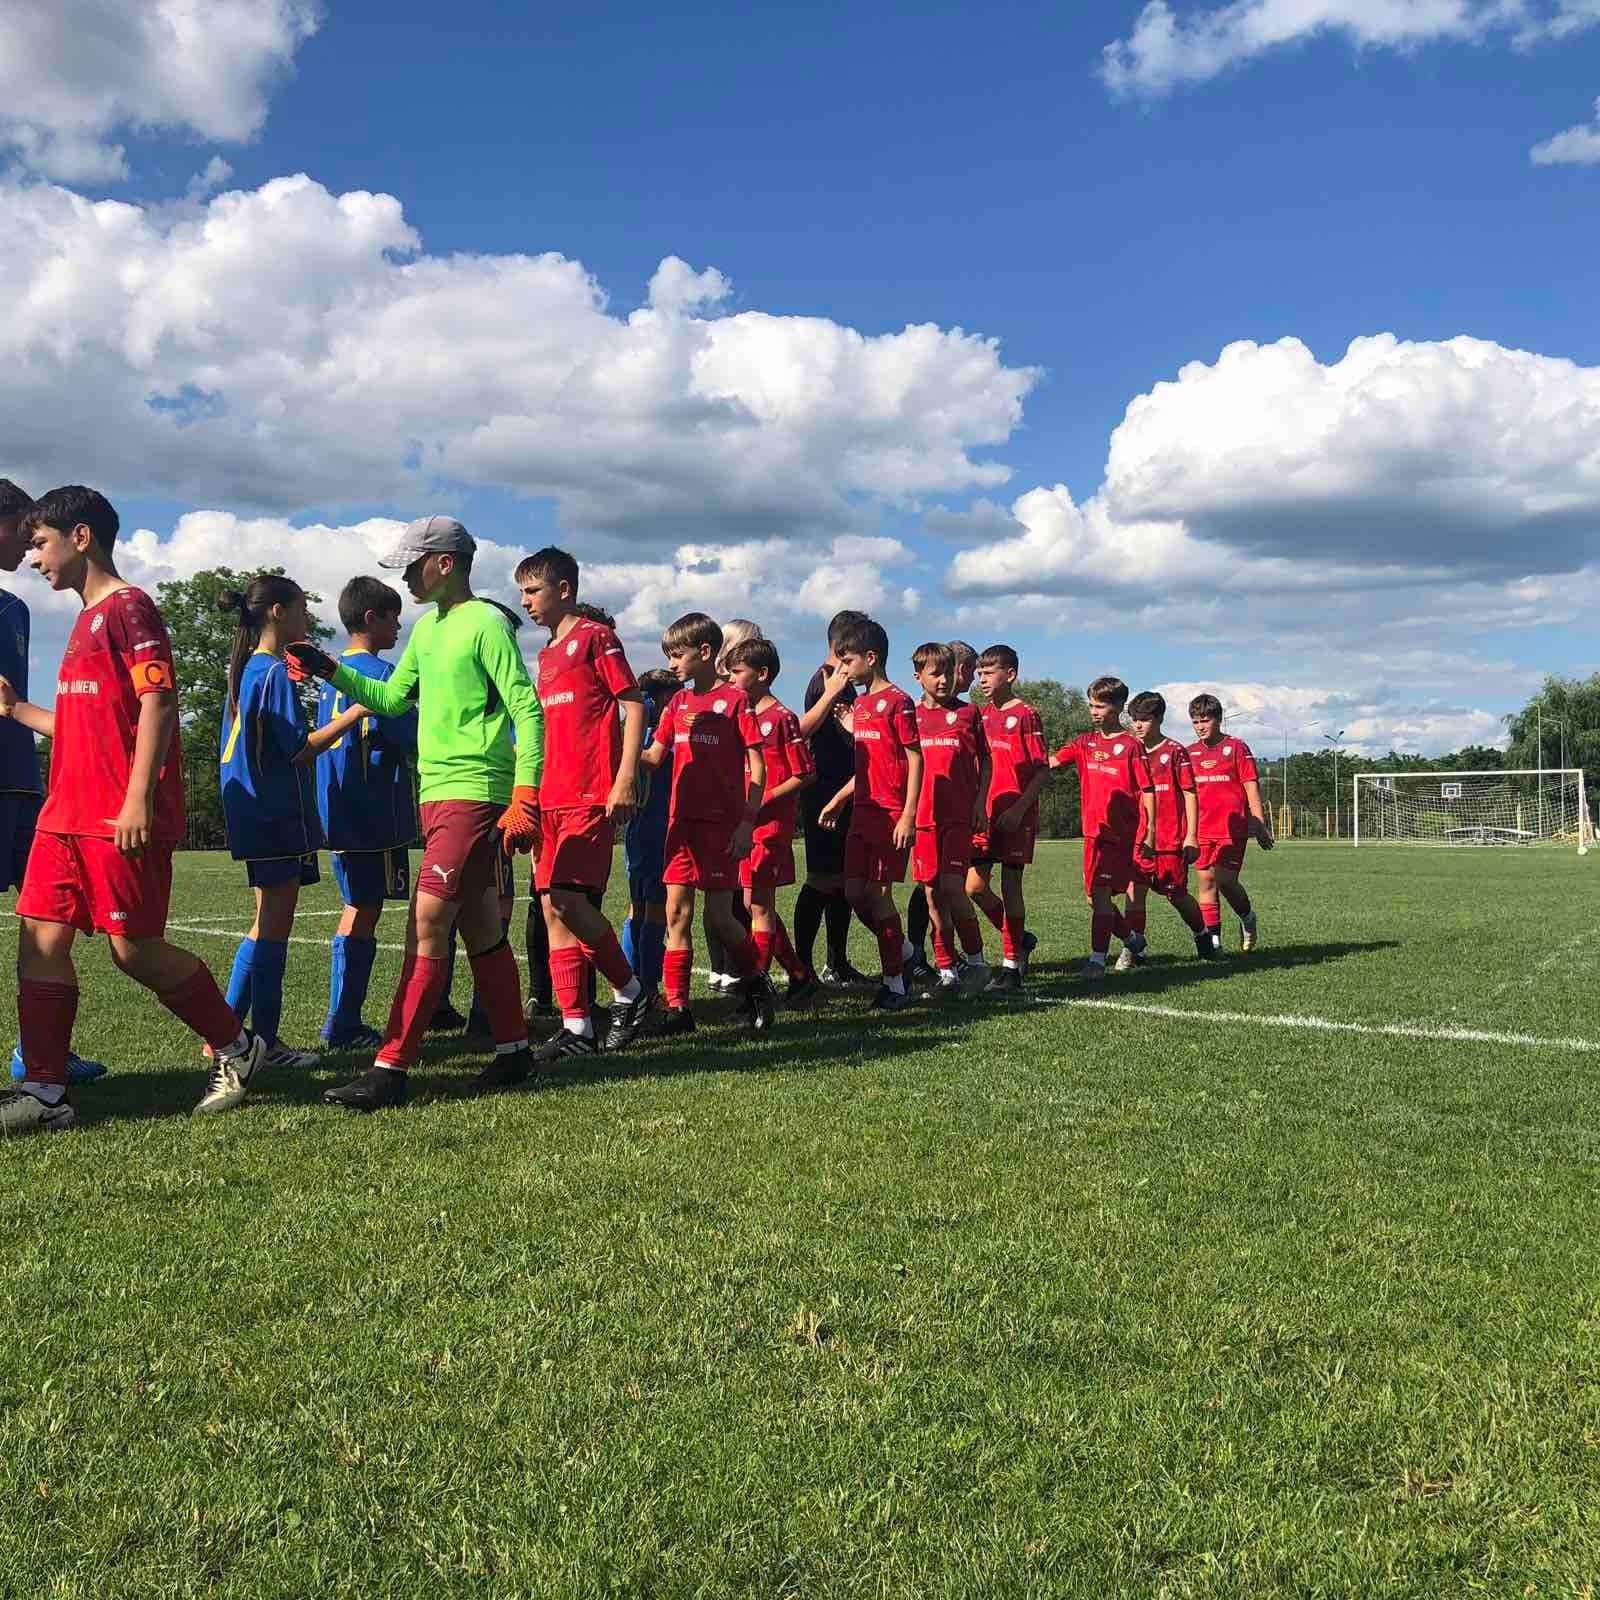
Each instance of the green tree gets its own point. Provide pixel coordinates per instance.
(1064, 713)
(202, 640)
(1566, 714)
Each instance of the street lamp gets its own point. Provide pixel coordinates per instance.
(1333, 739)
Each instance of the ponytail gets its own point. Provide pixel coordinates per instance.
(264, 591)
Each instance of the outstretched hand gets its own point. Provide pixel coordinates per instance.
(305, 660)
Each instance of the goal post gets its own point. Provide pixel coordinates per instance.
(1538, 806)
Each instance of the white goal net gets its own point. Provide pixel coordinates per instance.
(1473, 808)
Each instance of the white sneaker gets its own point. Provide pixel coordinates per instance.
(1127, 961)
(720, 981)
(948, 978)
(1247, 933)
(231, 1077)
(21, 1112)
(284, 1055)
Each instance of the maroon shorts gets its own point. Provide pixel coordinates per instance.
(770, 864)
(1107, 864)
(575, 850)
(1011, 847)
(1165, 873)
(460, 846)
(941, 852)
(1225, 853)
(88, 884)
(699, 854)
(869, 850)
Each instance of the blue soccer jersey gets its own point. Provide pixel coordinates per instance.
(364, 793)
(269, 802)
(19, 761)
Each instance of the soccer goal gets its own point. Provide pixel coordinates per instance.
(1543, 806)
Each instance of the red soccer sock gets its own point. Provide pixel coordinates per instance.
(1211, 913)
(609, 960)
(943, 955)
(891, 946)
(1134, 917)
(197, 1003)
(1100, 930)
(764, 944)
(996, 914)
(786, 955)
(45, 1014)
(1011, 937)
(569, 980)
(499, 983)
(744, 958)
(422, 986)
(677, 968)
(971, 939)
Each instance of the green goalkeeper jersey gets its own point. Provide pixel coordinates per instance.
(471, 688)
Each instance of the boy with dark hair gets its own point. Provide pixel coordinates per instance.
(594, 716)
(951, 807)
(883, 796)
(1228, 789)
(477, 787)
(752, 665)
(822, 899)
(1119, 811)
(20, 796)
(718, 779)
(644, 844)
(1164, 869)
(1019, 771)
(369, 816)
(102, 855)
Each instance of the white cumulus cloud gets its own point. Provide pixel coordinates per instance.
(75, 73)
(1577, 146)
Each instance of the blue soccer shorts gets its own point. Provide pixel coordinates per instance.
(369, 877)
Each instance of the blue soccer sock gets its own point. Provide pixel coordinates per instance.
(350, 974)
(266, 986)
(652, 946)
(238, 995)
(630, 945)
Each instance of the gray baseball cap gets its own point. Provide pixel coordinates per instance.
(429, 536)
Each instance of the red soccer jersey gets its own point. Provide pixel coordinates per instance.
(118, 652)
(1221, 771)
(884, 728)
(1172, 775)
(1112, 775)
(787, 756)
(708, 735)
(580, 679)
(1016, 752)
(953, 748)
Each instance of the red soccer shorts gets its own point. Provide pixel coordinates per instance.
(941, 852)
(1165, 873)
(699, 854)
(869, 850)
(1107, 864)
(460, 846)
(88, 884)
(1010, 847)
(770, 864)
(575, 851)
(1225, 853)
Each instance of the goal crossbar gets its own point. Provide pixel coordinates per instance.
(1481, 806)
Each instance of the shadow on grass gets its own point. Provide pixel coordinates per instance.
(840, 1032)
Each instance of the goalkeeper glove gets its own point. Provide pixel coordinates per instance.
(519, 822)
(307, 661)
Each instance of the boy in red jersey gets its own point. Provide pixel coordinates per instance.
(751, 667)
(1231, 814)
(882, 796)
(586, 790)
(102, 856)
(718, 779)
(1119, 810)
(1166, 868)
(950, 809)
(1015, 736)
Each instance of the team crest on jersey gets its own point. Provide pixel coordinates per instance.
(572, 647)
(766, 729)
(1116, 749)
(950, 717)
(1227, 749)
(719, 706)
(1165, 760)
(97, 624)
(883, 705)
(1011, 722)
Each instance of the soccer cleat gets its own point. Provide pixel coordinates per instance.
(1126, 961)
(972, 979)
(802, 992)
(21, 1112)
(562, 1046)
(760, 1002)
(946, 980)
(286, 1057)
(674, 1020)
(539, 1005)
(721, 982)
(446, 1019)
(1247, 932)
(887, 999)
(627, 1018)
(920, 972)
(79, 1071)
(1006, 983)
(1203, 945)
(231, 1076)
(356, 1037)
(845, 977)
(1092, 969)
(477, 1029)
(508, 1070)
(377, 1089)
(1030, 943)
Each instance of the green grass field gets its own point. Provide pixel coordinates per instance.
(1055, 1299)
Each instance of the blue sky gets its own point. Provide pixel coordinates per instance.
(879, 167)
